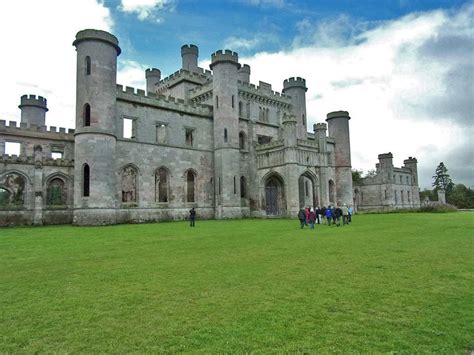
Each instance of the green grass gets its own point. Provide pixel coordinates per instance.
(397, 282)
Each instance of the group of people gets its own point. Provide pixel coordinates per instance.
(320, 215)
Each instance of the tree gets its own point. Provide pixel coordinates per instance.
(461, 196)
(442, 181)
(356, 176)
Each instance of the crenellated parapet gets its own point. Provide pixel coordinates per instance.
(52, 132)
(189, 49)
(200, 77)
(138, 96)
(30, 160)
(295, 82)
(224, 56)
(263, 95)
(33, 100)
(320, 127)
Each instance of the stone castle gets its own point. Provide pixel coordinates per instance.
(197, 138)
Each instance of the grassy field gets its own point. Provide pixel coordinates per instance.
(397, 282)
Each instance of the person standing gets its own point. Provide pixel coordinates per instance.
(350, 210)
(312, 218)
(192, 217)
(329, 215)
(337, 215)
(302, 217)
(345, 214)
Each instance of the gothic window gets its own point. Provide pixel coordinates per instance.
(225, 135)
(189, 137)
(12, 189)
(4, 196)
(235, 185)
(161, 134)
(401, 180)
(190, 186)
(162, 185)
(88, 65)
(332, 192)
(56, 192)
(217, 101)
(267, 115)
(248, 109)
(304, 120)
(408, 196)
(87, 115)
(243, 187)
(232, 101)
(402, 197)
(242, 140)
(129, 184)
(241, 109)
(86, 181)
(408, 182)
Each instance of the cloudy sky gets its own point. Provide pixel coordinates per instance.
(404, 69)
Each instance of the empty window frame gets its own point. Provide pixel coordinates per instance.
(13, 148)
(189, 137)
(87, 115)
(86, 180)
(129, 128)
(161, 133)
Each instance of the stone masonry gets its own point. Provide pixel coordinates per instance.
(207, 139)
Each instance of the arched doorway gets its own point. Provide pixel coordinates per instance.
(274, 196)
(308, 190)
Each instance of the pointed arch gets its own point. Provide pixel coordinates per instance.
(274, 194)
(58, 187)
(129, 173)
(162, 184)
(190, 177)
(13, 185)
(308, 188)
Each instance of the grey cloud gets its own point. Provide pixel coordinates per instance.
(346, 83)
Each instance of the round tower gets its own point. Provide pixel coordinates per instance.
(338, 127)
(95, 196)
(189, 56)
(296, 88)
(225, 66)
(244, 73)
(33, 110)
(153, 77)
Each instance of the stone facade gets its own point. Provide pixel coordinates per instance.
(390, 188)
(198, 138)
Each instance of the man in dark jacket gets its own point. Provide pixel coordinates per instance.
(302, 217)
(192, 217)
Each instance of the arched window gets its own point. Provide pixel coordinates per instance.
(241, 140)
(332, 192)
(87, 115)
(248, 110)
(241, 109)
(162, 185)
(4, 197)
(86, 181)
(243, 187)
(225, 135)
(56, 194)
(129, 184)
(88, 65)
(267, 115)
(190, 186)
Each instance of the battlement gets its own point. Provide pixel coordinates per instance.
(320, 127)
(13, 128)
(22, 159)
(97, 35)
(337, 114)
(293, 83)
(152, 72)
(33, 100)
(200, 77)
(257, 90)
(245, 69)
(139, 96)
(223, 56)
(388, 155)
(189, 49)
(410, 160)
(287, 119)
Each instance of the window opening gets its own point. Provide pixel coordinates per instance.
(13, 148)
(86, 181)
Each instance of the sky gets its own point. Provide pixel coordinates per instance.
(404, 69)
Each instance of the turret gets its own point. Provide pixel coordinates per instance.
(244, 73)
(225, 66)
(289, 130)
(338, 126)
(95, 191)
(412, 164)
(385, 166)
(33, 110)
(320, 135)
(153, 77)
(189, 56)
(296, 88)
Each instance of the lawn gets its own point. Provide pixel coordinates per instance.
(394, 282)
